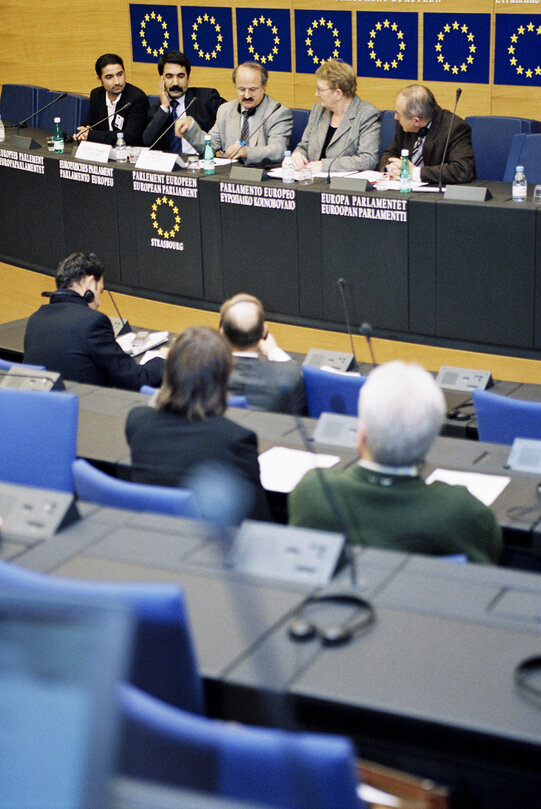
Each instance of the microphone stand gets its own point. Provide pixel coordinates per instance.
(458, 94)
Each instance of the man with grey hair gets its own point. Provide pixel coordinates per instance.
(382, 500)
(253, 128)
(421, 128)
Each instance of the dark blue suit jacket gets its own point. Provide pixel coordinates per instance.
(135, 117)
(204, 108)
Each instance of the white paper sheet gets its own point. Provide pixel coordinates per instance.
(282, 468)
(485, 487)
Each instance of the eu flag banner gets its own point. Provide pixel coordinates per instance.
(154, 30)
(321, 35)
(517, 57)
(456, 47)
(387, 45)
(264, 36)
(207, 34)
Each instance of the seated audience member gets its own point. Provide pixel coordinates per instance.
(253, 118)
(175, 96)
(343, 130)
(382, 500)
(186, 426)
(272, 384)
(421, 128)
(70, 336)
(107, 102)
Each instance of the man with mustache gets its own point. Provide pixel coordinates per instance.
(109, 100)
(253, 128)
(175, 98)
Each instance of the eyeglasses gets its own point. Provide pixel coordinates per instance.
(320, 90)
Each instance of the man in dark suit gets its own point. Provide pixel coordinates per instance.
(70, 336)
(274, 383)
(175, 98)
(421, 128)
(109, 102)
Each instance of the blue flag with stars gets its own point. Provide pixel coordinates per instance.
(207, 35)
(387, 45)
(321, 35)
(264, 35)
(154, 30)
(517, 58)
(456, 47)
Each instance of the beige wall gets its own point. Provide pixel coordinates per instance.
(55, 44)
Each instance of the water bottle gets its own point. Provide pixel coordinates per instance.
(288, 168)
(405, 173)
(519, 187)
(121, 150)
(208, 156)
(58, 137)
(2, 131)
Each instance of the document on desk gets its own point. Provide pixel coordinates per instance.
(133, 346)
(485, 487)
(282, 468)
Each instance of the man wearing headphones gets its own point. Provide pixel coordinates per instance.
(71, 337)
(273, 383)
(382, 501)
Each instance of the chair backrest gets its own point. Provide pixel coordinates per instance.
(492, 136)
(300, 120)
(68, 109)
(278, 768)
(38, 435)
(328, 392)
(388, 125)
(97, 487)
(525, 150)
(501, 419)
(232, 400)
(18, 101)
(5, 365)
(164, 662)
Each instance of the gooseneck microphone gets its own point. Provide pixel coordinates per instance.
(50, 104)
(341, 154)
(341, 283)
(168, 127)
(126, 106)
(458, 94)
(366, 330)
(256, 130)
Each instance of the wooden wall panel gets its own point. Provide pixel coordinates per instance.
(56, 44)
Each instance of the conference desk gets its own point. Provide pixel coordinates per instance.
(424, 268)
(427, 688)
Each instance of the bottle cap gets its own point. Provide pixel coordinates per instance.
(520, 169)
(287, 153)
(404, 153)
(57, 120)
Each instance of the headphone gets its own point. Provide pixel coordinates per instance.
(302, 629)
(89, 296)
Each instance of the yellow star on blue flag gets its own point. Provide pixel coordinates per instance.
(517, 57)
(154, 30)
(321, 35)
(387, 45)
(264, 36)
(456, 47)
(207, 35)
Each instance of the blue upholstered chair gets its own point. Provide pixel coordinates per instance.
(18, 101)
(501, 419)
(492, 136)
(277, 768)
(95, 486)
(388, 125)
(163, 661)
(5, 365)
(525, 150)
(38, 435)
(300, 120)
(232, 401)
(328, 392)
(71, 110)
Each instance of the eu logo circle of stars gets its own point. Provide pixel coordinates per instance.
(447, 65)
(156, 25)
(204, 21)
(322, 24)
(527, 72)
(173, 216)
(393, 63)
(263, 58)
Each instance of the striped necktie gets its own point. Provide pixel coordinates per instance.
(417, 153)
(245, 129)
(175, 144)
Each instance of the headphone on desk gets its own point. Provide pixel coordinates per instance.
(333, 634)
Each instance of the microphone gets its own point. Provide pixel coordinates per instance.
(458, 94)
(47, 294)
(23, 122)
(173, 122)
(125, 327)
(256, 130)
(126, 106)
(341, 284)
(340, 154)
(366, 330)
